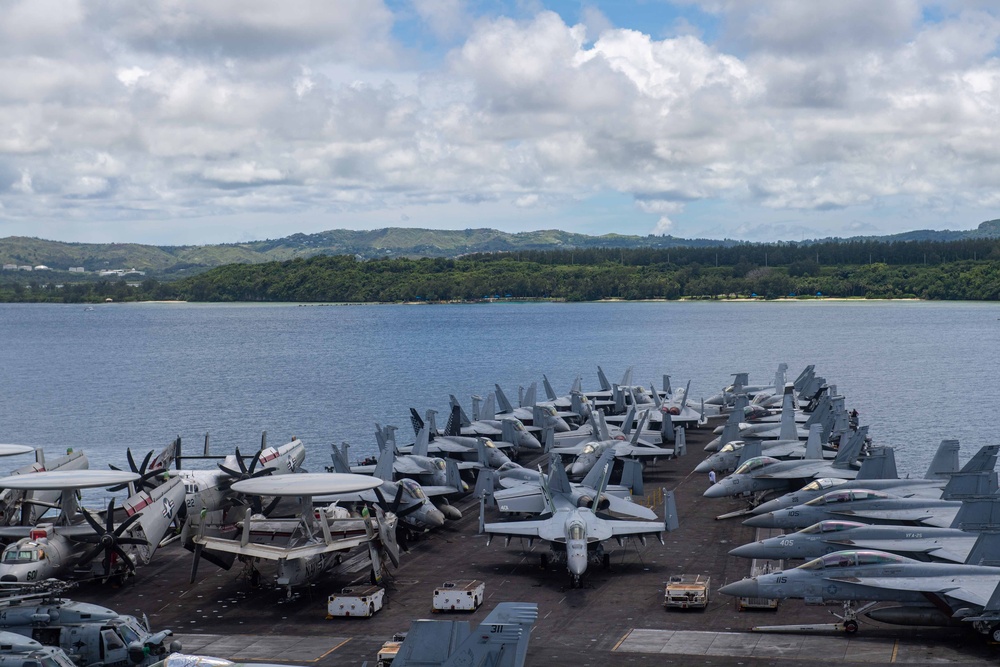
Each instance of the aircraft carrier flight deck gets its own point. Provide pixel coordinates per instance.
(616, 617)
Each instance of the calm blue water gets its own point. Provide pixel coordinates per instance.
(137, 375)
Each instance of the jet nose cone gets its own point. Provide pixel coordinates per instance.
(579, 469)
(746, 588)
(704, 467)
(752, 550)
(769, 506)
(529, 441)
(760, 521)
(435, 518)
(717, 490)
(560, 425)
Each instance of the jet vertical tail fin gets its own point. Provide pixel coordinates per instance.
(666, 385)
(945, 461)
(632, 477)
(629, 419)
(454, 425)
(619, 395)
(557, 480)
(417, 422)
(386, 461)
(740, 380)
(501, 398)
(779, 376)
(602, 379)
(667, 428)
(550, 393)
(463, 418)
(966, 484)
(814, 446)
(422, 444)
(983, 460)
(530, 396)
(432, 427)
(593, 478)
(453, 477)
(339, 457)
(488, 410)
(986, 550)
(879, 464)
(978, 514)
(749, 451)
(670, 520)
(602, 426)
(788, 430)
(626, 377)
(850, 451)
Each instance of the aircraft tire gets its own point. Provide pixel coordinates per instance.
(995, 632)
(850, 627)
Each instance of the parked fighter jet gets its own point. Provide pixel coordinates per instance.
(588, 453)
(766, 474)
(453, 444)
(868, 506)
(741, 385)
(69, 546)
(930, 593)
(575, 534)
(536, 417)
(485, 425)
(951, 544)
(305, 547)
(412, 500)
(523, 491)
(943, 479)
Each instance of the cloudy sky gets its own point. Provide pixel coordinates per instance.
(186, 121)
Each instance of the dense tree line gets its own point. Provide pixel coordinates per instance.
(959, 270)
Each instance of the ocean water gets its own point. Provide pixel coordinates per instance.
(137, 375)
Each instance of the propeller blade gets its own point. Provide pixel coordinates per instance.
(398, 498)
(131, 460)
(270, 507)
(145, 462)
(239, 460)
(98, 529)
(132, 540)
(126, 524)
(92, 554)
(123, 555)
(229, 471)
(381, 498)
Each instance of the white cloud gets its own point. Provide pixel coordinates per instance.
(177, 108)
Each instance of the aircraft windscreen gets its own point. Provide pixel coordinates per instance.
(830, 527)
(576, 531)
(15, 555)
(440, 464)
(488, 443)
(415, 489)
(832, 497)
(823, 483)
(754, 463)
(865, 494)
(589, 449)
(732, 446)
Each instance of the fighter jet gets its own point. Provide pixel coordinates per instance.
(485, 425)
(879, 507)
(942, 479)
(453, 444)
(574, 530)
(741, 385)
(588, 453)
(951, 544)
(411, 500)
(929, 593)
(530, 414)
(767, 474)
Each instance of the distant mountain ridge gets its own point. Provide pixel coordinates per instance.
(175, 261)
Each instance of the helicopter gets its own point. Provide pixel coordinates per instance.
(91, 635)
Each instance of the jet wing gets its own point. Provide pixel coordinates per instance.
(955, 549)
(440, 490)
(940, 517)
(639, 451)
(604, 529)
(972, 589)
(524, 497)
(810, 470)
(551, 530)
(405, 466)
(627, 507)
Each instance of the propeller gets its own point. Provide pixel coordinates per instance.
(394, 508)
(143, 483)
(109, 539)
(244, 472)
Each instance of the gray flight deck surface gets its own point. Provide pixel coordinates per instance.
(616, 618)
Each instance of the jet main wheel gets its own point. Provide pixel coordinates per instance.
(850, 627)
(995, 633)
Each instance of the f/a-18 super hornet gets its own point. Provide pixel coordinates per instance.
(484, 424)
(763, 473)
(951, 544)
(943, 479)
(588, 453)
(929, 594)
(575, 527)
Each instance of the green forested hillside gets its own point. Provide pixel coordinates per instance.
(959, 270)
(393, 242)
